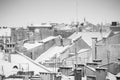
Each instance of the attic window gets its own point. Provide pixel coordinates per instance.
(15, 67)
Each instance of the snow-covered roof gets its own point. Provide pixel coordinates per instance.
(83, 50)
(55, 50)
(6, 68)
(29, 46)
(65, 28)
(48, 39)
(41, 25)
(80, 51)
(87, 36)
(33, 66)
(74, 36)
(110, 76)
(5, 32)
(91, 68)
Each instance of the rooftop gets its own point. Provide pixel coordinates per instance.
(29, 46)
(55, 50)
(41, 25)
(87, 36)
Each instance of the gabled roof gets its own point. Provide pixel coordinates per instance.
(87, 36)
(34, 66)
(111, 35)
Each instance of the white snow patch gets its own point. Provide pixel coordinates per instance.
(29, 46)
(48, 39)
(5, 32)
(82, 50)
(55, 50)
(28, 64)
(110, 76)
(6, 68)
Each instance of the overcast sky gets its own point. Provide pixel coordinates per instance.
(26, 12)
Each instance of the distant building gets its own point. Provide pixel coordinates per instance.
(6, 40)
(115, 27)
(41, 31)
(5, 34)
(108, 49)
(64, 30)
(82, 46)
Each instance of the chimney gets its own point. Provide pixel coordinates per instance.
(118, 77)
(98, 61)
(104, 40)
(91, 77)
(94, 48)
(82, 69)
(114, 24)
(101, 73)
(92, 64)
(77, 74)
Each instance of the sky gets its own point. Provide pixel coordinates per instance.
(26, 12)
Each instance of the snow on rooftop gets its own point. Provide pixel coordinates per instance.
(51, 53)
(29, 46)
(65, 28)
(5, 32)
(82, 50)
(41, 25)
(48, 39)
(6, 68)
(91, 68)
(87, 36)
(111, 76)
(33, 66)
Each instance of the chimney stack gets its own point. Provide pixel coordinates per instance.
(98, 61)
(91, 77)
(82, 69)
(94, 48)
(77, 74)
(92, 64)
(101, 73)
